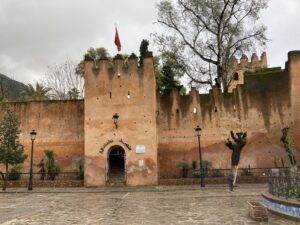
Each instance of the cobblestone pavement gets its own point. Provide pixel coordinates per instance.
(150, 205)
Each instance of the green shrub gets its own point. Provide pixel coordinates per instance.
(184, 167)
(42, 169)
(217, 173)
(80, 173)
(15, 172)
(207, 166)
(247, 171)
(194, 164)
(78, 168)
(52, 169)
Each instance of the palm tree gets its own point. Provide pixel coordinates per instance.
(37, 93)
(73, 94)
(52, 168)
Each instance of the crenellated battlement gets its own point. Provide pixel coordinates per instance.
(253, 64)
(117, 64)
(118, 80)
(238, 68)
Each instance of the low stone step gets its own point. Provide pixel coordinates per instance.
(116, 182)
(116, 176)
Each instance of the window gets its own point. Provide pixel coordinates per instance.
(235, 76)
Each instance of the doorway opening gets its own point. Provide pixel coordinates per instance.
(116, 166)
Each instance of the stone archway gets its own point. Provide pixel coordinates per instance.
(116, 164)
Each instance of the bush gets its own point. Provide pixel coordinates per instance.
(217, 173)
(194, 164)
(207, 166)
(78, 168)
(247, 171)
(80, 173)
(184, 166)
(52, 169)
(15, 173)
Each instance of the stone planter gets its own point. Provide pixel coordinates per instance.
(257, 211)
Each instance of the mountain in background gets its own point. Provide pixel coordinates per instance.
(10, 90)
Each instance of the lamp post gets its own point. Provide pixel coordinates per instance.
(115, 119)
(198, 132)
(32, 135)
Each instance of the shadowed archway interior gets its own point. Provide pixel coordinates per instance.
(116, 163)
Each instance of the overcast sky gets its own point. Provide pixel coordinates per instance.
(37, 33)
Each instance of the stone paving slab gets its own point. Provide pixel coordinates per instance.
(186, 205)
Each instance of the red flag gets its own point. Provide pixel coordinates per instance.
(117, 40)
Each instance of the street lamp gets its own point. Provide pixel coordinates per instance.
(198, 132)
(115, 119)
(32, 135)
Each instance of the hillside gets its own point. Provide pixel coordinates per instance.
(10, 89)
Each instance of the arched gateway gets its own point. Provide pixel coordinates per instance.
(116, 166)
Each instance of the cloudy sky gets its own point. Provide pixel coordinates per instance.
(38, 33)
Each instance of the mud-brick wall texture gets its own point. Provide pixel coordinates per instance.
(59, 126)
(262, 107)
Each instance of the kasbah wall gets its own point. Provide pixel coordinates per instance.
(59, 126)
(262, 106)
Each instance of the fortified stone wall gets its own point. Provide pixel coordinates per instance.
(129, 92)
(262, 107)
(59, 127)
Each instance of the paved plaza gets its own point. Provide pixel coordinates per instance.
(185, 205)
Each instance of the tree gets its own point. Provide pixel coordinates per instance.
(63, 81)
(4, 89)
(204, 35)
(166, 81)
(94, 53)
(11, 151)
(289, 148)
(143, 50)
(37, 93)
(240, 141)
(73, 94)
(166, 70)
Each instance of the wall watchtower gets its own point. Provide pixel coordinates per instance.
(130, 91)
